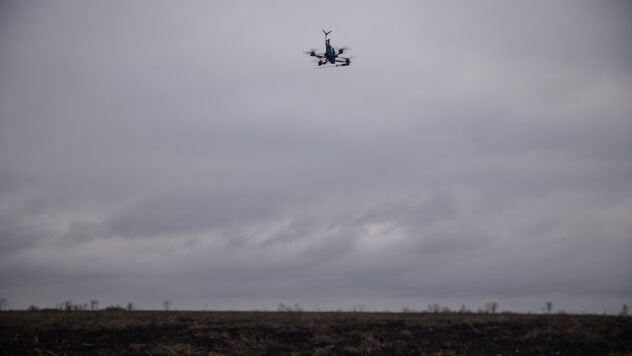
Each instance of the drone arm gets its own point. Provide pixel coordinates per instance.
(312, 53)
(345, 61)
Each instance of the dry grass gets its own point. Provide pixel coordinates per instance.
(268, 333)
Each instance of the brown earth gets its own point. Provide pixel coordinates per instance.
(306, 333)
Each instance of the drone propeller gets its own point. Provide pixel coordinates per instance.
(345, 61)
(311, 52)
(342, 49)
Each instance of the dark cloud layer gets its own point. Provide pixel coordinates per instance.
(153, 151)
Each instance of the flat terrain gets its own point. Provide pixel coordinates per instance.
(305, 333)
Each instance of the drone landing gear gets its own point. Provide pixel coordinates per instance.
(331, 66)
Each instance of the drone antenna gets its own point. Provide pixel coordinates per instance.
(326, 33)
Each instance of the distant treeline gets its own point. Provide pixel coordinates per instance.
(487, 308)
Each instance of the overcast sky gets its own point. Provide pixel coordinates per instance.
(474, 151)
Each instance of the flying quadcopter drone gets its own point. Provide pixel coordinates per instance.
(331, 56)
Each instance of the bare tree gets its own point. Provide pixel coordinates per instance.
(94, 304)
(548, 306)
(434, 308)
(130, 306)
(3, 303)
(624, 310)
(491, 307)
(167, 304)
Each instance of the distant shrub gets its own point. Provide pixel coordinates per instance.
(70, 306)
(358, 309)
(289, 308)
(116, 307)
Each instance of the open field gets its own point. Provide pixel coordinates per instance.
(307, 333)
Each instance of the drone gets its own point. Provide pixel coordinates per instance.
(331, 56)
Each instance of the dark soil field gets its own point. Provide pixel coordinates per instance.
(306, 333)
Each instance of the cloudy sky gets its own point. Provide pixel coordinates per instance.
(474, 151)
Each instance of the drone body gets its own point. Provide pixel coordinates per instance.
(331, 55)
